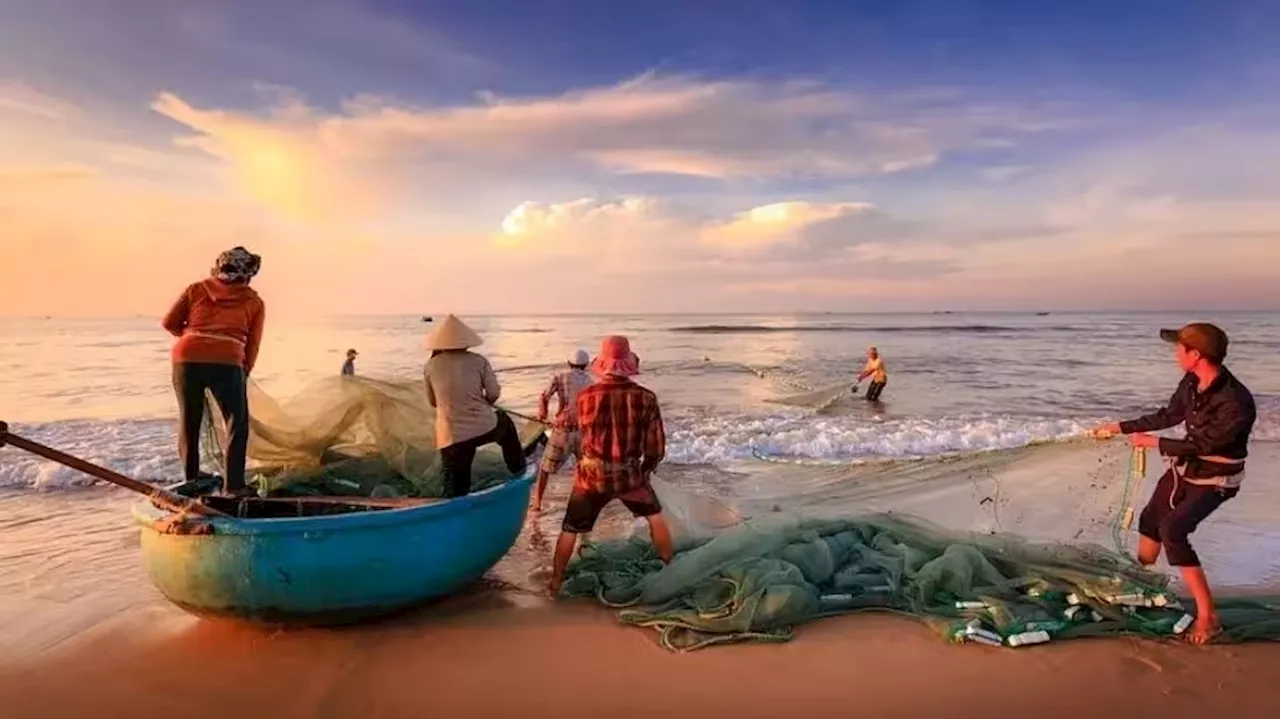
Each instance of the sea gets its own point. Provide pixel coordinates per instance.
(980, 429)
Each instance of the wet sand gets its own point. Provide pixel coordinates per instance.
(485, 655)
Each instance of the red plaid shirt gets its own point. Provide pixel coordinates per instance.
(623, 439)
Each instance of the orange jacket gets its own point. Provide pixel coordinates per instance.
(217, 323)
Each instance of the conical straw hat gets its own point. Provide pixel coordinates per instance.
(452, 334)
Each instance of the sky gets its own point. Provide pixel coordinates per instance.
(423, 156)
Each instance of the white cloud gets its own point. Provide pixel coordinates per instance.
(1004, 173)
(19, 98)
(305, 160)
(1124, 224)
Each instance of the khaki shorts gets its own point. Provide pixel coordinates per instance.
(561, 444)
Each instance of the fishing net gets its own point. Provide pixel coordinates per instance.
(351, 436)
(757, 577)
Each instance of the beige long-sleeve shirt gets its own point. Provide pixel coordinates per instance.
(462, 387)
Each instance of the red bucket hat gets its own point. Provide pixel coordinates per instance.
(616, 358)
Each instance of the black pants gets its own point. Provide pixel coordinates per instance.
(227, 384)
(873, 392)
(1175, 510)
(456, 459)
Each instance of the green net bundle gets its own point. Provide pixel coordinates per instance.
(351, 436)
(759, 579)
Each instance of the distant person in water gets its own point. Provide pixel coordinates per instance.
(218, 322)
(1207, 466)
(462, 387)
(623, 440)
(874, 369)
(349, 367)
(565, 438)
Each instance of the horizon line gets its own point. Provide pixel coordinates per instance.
(805, 313)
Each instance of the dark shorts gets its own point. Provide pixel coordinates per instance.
(1175, 510)
(585, 506)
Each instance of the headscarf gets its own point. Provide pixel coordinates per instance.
(236, 266)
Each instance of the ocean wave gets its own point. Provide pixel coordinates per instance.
(801, 435)
(146, 449)
(940, 329)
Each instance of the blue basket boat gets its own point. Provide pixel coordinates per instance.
(334, 568)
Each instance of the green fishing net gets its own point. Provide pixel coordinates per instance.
(351, 436)
(757, 579)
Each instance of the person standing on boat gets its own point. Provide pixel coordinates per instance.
(218, 322)
(622, 442)
(462, 387)
(565, 439)
(875, 370)
(349, 367)
(1205, 468)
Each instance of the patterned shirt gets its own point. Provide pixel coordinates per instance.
(565, 386)
(623, 439)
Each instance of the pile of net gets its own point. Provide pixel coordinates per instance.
(757, 580)
(351, 436)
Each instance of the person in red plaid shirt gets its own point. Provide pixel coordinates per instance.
(622, 442)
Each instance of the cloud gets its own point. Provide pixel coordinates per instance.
(638, 244)
(19, 98)
(1004, 173)
(346, 206)
(305, 160)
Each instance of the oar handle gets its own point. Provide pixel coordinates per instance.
(163, 497)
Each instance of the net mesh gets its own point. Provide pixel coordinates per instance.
(755, 578)
(351, 436)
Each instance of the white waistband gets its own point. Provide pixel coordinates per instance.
(1226, 482)
(213, 336)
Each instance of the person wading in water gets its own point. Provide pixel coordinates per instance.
(875, 370)
(218, 322)
(1206, 467)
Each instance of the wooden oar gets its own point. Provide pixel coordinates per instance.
(163, 497)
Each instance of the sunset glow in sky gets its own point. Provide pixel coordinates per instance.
(393, 156)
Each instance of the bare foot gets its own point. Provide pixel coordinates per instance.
(1204, 631)
(553, 588)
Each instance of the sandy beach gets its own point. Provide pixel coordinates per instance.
(486, 655)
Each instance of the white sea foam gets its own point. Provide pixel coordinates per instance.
(146, 448)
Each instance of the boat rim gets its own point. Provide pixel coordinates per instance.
(148, 514)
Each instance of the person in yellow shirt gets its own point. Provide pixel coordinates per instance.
(875, 370)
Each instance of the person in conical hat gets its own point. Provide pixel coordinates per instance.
(622, 442)
(563, 442)
(462, 387)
